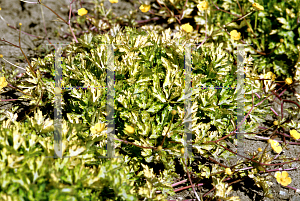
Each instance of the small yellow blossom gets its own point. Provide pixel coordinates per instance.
(257, 6)
(283, 178)
(295, 134)
(3, 82)
(98, 128)
(235, 35)
(275, 146)
(0, 8)
(173, 112)
(145, 8)
(281, 40)
(275, 123)
(187, 27)
(182, 150)
(129, 129)
(1, 56)
(202, 6)
(82, 11)
(270, 75)
(288, 81)
(259, 149)
(20, 24)
(228, 171)
(113, 1)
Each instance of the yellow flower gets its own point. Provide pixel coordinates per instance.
(283, 178)
(98, 128)
(281, 40)
(235, 35)
(202, 5)
(145, 8)
(82, 11)
(295, 134)
(113, 1)
(0, 8)
(129, 129)
(228, 171)
(182, 150)
(20, 23)
(257, 6)
(173, 112)
(259, 149)
(275, 123)
(1, 56)
(288, 81)
(270, 75)
(187, 27)
(3, 82)
(275, 146)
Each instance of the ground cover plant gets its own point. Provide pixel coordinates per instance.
(149, 107)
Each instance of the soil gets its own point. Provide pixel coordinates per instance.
(14, 12)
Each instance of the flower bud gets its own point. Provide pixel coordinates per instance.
(129, 129)
(159, 148)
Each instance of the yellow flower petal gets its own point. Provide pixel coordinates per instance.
(275, 146)
(295, 134)
(228, 171)
(82, 11)
(202, 5)
(98, 128)
(259, 149)
(235, 35)
(284, 174)
(113, 1)
(257, 6)
(286, 181)
(3, 82)
(145, 8)
(187, 27)
(129, 129)
(288, 81)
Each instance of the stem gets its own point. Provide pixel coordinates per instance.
(225, 11)
(31, 68)
(70, 22)
(187, 171)
(181, 15)
(18, 90)
(54, 12)
(14, 64)
(62, 18)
